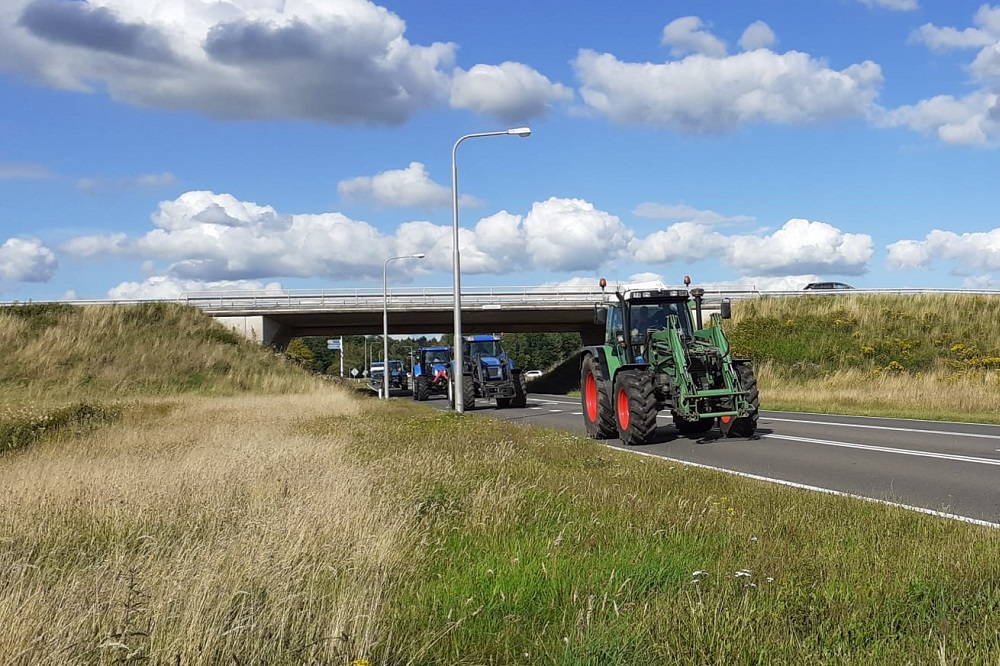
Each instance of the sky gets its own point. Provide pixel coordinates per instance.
(152, 148)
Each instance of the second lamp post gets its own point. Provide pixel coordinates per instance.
(385, 319)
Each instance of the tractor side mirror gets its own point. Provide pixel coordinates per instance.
(600, 316)
(726, 309)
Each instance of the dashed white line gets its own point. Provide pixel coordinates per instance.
(948, 433)
(887, 449)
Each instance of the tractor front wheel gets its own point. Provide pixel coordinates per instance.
(468, 392)
(421, 387)
(746, 426)
(520, 399)
(598, 416)
(635, 407)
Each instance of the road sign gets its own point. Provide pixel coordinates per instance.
(333, 344)
(354, 372)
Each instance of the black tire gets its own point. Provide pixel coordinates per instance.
(468, 392)
(635, 407)
(747, 425)
(520, 399)
(693, 427)
(595, 401)
(421, 387)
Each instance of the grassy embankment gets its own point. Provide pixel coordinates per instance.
(926, 356)
(255, 515)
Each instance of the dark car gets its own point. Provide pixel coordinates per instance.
(828, 285)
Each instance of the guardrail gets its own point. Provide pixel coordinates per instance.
(436, 296)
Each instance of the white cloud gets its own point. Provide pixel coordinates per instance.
(11, 171)
(144, 182)
(895, 5)
(400, 188)
(680, 242)
(972, 253)
(779, 283)
(26, 260)
(338, 62)
(167, 287)
(209, 236)
(801, 246)
(685, 35)
(687, 214)
(970, 120)
(758, 35)
(975, 118)
(570, 234)
(717, 94)
(204, 237)
(986, 32)
(510, 91)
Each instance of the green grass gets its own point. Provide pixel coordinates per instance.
(536, 545)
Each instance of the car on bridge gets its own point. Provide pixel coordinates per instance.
(828, 285)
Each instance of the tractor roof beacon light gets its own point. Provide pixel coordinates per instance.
(456, 263)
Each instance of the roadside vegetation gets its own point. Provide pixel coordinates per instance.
(263, 516)
(922, 356)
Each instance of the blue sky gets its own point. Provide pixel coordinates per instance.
(154, 147)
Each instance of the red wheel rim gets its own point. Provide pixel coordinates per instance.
(590, 397)
(622, 403)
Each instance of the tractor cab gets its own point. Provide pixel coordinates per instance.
(642, 310)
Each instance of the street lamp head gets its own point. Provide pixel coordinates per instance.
(520, 131)
(418, 255)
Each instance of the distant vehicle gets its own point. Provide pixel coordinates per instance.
(533, 374)
(431, 371)
(828, 285)
(397, 375)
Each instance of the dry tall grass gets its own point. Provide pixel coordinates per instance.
(58, 353)
(218, 530)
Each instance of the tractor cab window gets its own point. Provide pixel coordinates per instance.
(614, 325)
(646, 316)
(484, 348)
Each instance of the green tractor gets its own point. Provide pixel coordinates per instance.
(657, 356)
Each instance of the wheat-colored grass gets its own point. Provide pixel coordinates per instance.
(220, 530)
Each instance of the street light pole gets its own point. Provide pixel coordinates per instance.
(385, 319)
(457, 350)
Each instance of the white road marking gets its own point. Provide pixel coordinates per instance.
(949, 433)
(818, 489)
(886, 449)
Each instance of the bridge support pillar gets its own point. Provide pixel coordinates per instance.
(259, 328)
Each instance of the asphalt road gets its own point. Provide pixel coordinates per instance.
(951, 468)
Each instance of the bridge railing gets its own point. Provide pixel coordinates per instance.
(427, 296)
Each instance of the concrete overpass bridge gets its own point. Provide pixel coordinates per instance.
(275, 317)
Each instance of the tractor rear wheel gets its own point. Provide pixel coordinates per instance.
(635, 407)
(598, 416)
(746, 426)
(421, 387)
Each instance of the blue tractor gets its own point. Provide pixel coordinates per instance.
(488, 373)
(430, 372)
